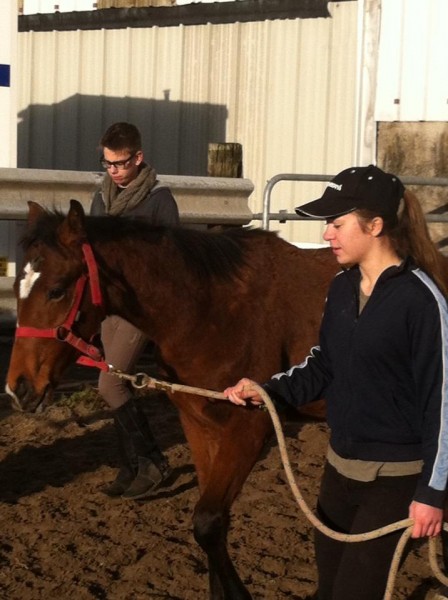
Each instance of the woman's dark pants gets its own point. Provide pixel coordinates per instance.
(359, 571)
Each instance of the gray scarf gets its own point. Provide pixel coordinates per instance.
(117, 200)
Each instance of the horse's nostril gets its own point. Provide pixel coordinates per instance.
(23, 388)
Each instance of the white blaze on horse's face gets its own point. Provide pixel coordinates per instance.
(29, 279)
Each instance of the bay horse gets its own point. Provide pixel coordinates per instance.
(218, 305)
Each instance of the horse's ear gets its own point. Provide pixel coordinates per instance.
(72, 230)
(35, 210)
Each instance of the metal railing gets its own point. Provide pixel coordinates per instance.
(284, 215)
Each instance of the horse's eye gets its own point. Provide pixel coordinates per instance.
(56, 294)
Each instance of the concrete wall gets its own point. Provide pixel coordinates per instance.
(419, 149)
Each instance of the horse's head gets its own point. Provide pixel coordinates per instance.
(54, 304)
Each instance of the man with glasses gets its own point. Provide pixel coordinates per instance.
(130, 188)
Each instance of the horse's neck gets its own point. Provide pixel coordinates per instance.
(142, 287)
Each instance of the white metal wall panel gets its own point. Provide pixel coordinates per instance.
(8, 103)
(320, 125)
(31, 7)
(412, 80)
(284, 89)
(8, 83)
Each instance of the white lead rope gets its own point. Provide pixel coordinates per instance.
(141, 380)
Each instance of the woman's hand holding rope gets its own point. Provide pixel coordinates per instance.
(245, 390)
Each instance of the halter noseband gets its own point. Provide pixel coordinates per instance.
(64, 332)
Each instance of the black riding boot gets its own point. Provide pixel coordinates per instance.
(128, 469)
(147, 461)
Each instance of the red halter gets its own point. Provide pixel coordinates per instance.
(64, 332)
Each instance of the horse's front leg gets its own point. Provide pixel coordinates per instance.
(236, 450)
(210, 531)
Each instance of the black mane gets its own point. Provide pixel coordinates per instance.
(219, 253)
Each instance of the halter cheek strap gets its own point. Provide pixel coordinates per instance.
(64, 332)
(92, 268)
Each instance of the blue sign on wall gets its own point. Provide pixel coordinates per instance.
(5, 75)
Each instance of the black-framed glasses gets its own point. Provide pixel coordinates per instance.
(118, 164)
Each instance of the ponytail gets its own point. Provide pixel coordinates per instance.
(410, 237)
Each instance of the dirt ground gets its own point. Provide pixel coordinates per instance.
(62, 539)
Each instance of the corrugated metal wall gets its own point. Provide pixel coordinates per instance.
(284, 89)
(413, 61)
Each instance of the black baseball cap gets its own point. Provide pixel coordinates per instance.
(355, 188)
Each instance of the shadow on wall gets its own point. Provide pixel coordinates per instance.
(65, 136)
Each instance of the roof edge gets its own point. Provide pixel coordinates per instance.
(196, 13)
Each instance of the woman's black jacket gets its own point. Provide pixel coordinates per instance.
(383, 374)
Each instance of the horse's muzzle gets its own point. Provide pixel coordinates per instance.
(24, 397)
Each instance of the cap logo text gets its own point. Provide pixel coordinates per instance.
(336, 186)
